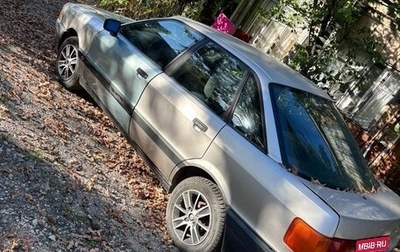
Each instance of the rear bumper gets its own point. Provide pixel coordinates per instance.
(239, 236)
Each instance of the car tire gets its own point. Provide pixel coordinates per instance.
(68, 63)
(196, 214)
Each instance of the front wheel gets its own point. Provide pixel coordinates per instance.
(68, 63)
(196, 215)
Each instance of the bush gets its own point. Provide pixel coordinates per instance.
(140, 9)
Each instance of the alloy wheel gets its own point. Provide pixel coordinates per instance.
(67, 62)
(192, 217)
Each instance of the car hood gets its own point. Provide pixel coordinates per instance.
(365, 215)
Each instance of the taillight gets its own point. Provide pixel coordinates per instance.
(301, 237)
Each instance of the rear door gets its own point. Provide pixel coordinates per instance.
(181, 111)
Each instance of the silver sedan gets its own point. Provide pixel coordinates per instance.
(255, 156)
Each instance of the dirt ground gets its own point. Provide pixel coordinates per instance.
(68, 180)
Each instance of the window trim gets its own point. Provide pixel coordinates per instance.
(171, 65)
(178, 61)
(229, 116)
(181, 59)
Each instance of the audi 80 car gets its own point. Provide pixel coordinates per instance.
(255, 157)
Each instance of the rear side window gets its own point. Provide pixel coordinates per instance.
(212, 75)
(161, 40)
(315, 142)
(247, 116)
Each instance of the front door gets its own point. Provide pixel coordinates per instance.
(122, 72)
(125, 63)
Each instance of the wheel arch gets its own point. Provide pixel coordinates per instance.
(68, 33)
(191, 170)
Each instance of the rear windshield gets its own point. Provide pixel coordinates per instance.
(315, 142)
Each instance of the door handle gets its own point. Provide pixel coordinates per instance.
(142, 73)
(199, 126)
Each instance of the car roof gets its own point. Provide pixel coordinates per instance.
(272, 70)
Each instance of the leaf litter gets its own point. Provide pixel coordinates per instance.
(68, 180)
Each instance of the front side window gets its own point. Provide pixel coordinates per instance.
(247, 117)
(212, 75)
(161, 40)
(315, 142)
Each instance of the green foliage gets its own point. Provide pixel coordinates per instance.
(142, 8)
(201, 10)
(193, 10)
(139, 9)
(394, 13)
(334, 27)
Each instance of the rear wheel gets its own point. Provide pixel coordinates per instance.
(68, 63)
(196, 215)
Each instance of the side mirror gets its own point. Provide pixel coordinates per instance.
(112, 26)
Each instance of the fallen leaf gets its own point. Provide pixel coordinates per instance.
(29, 198)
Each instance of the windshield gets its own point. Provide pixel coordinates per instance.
(315, 142)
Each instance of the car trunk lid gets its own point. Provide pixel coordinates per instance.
(367, 218)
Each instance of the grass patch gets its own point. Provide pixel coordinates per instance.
(55, 182)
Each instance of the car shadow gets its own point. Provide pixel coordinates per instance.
(46, 207)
